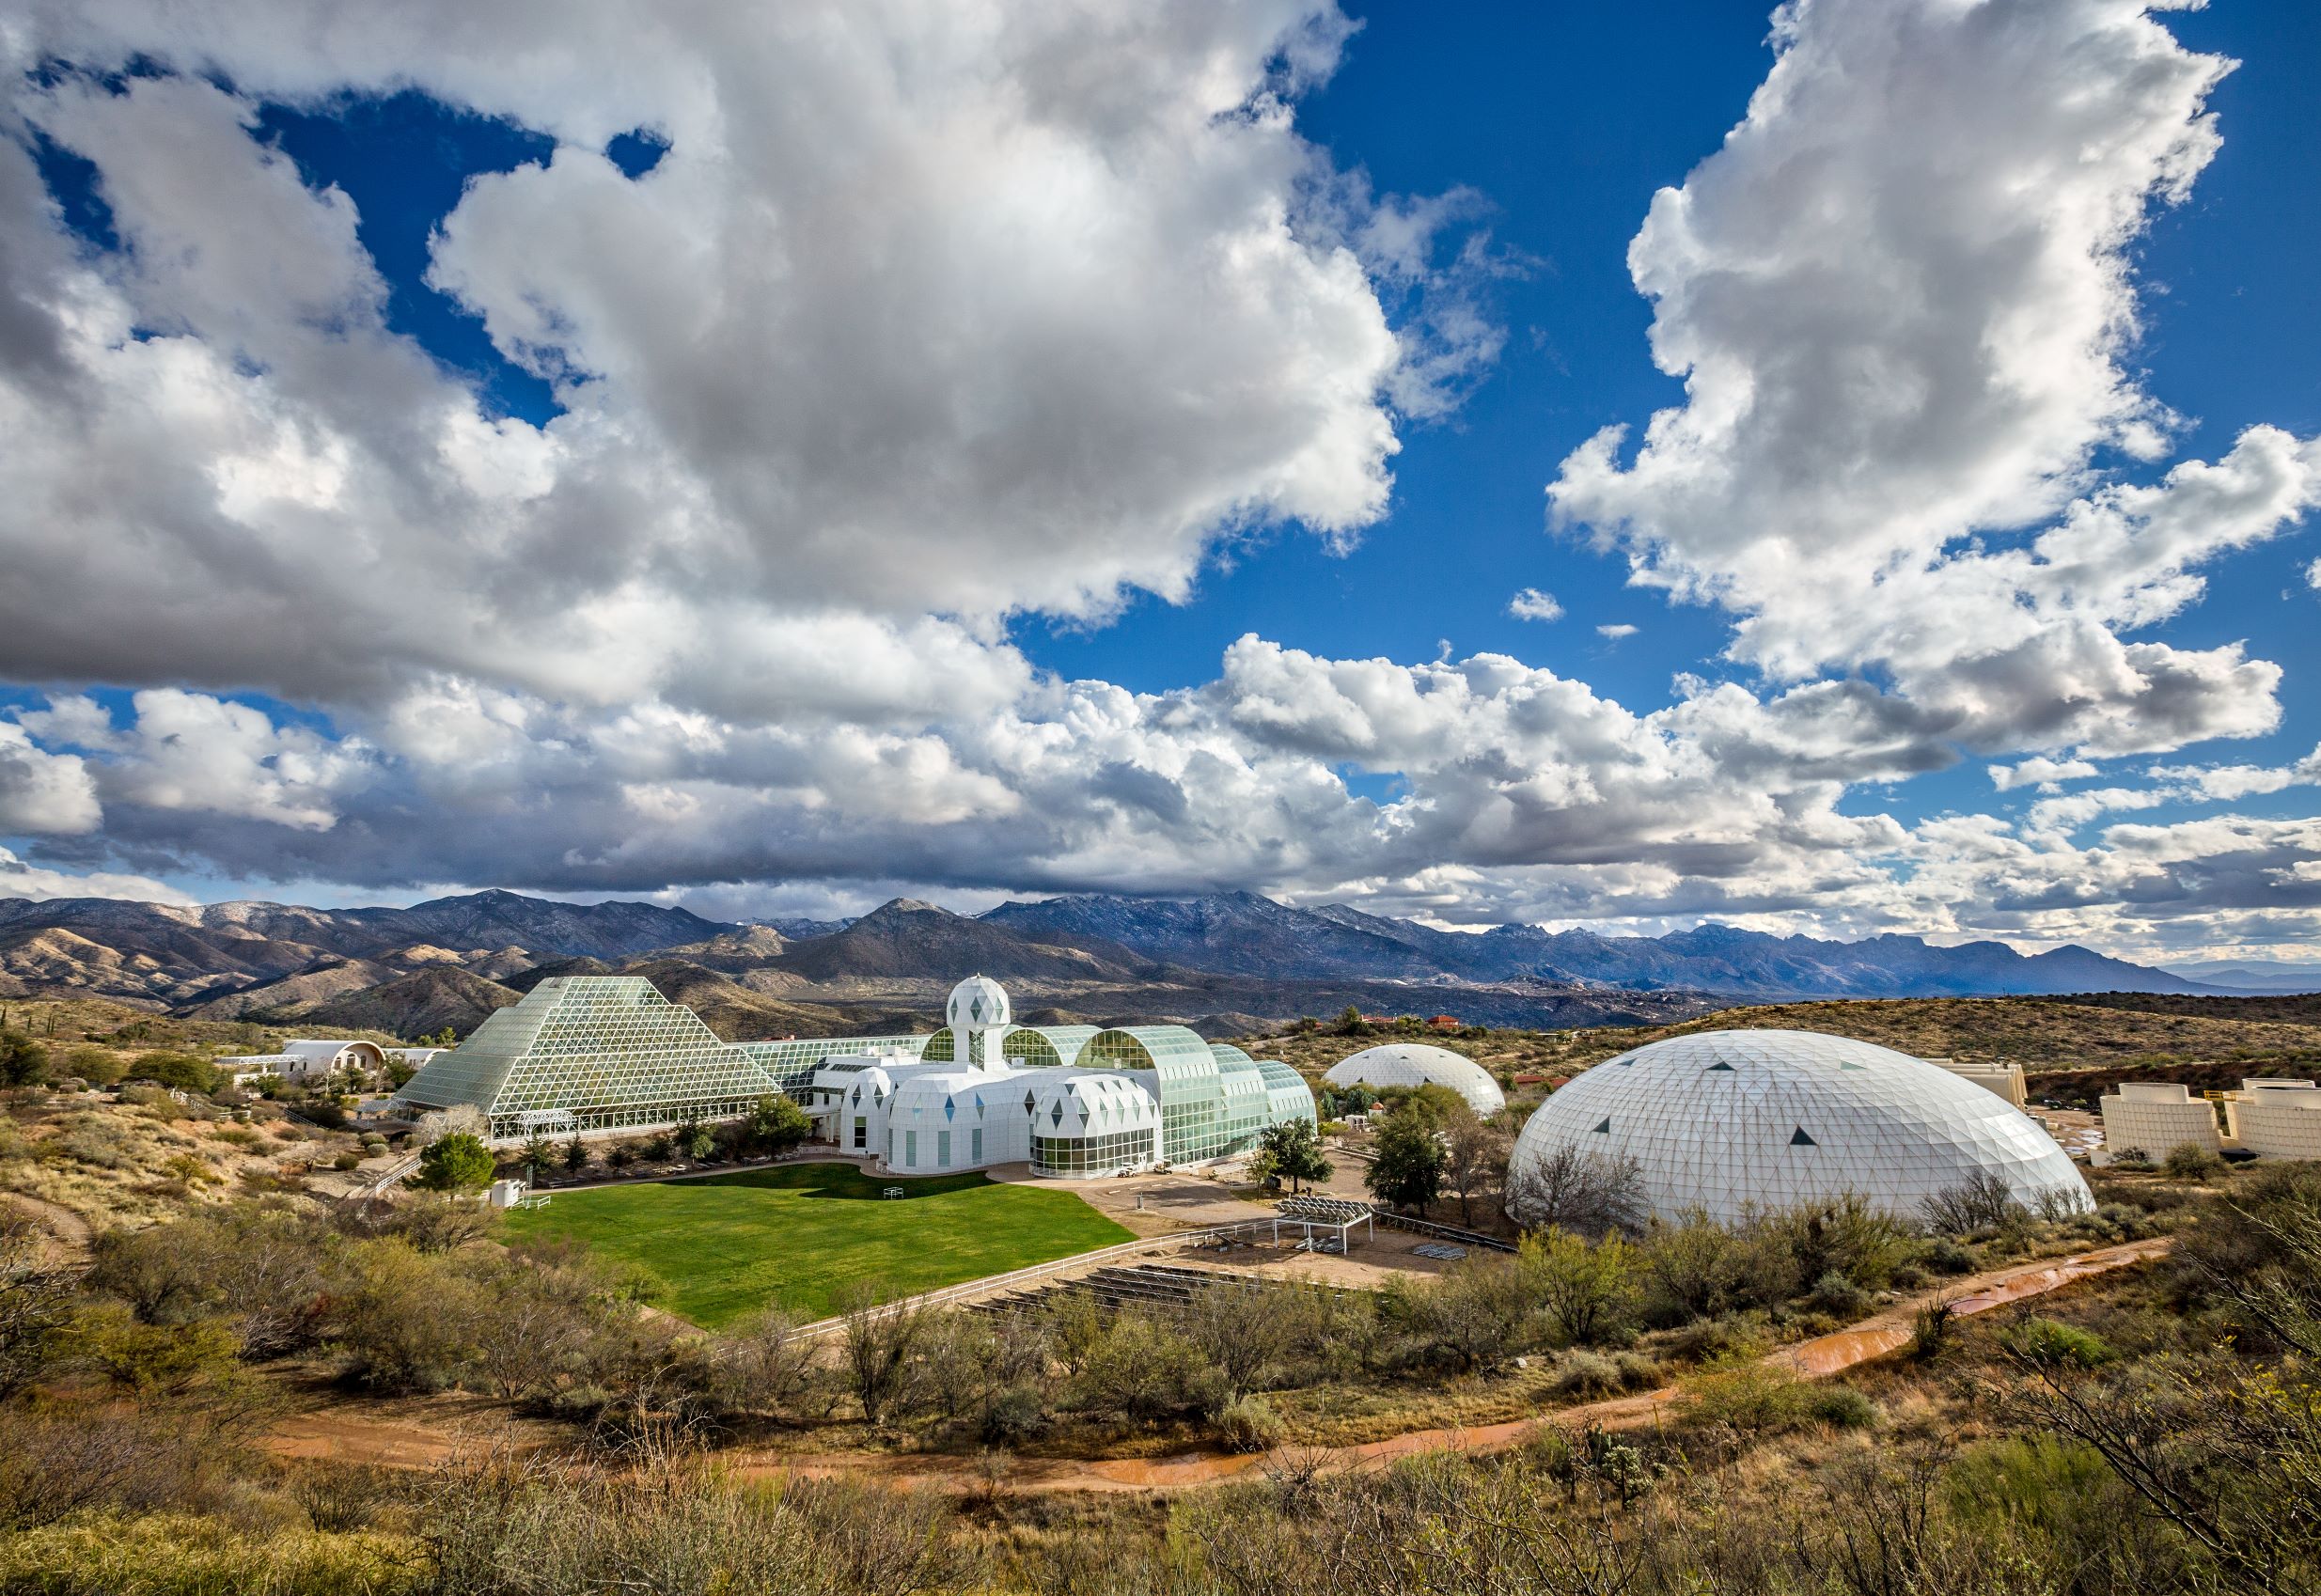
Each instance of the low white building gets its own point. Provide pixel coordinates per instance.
(2156, 1118)
(309, 1059)
(2276, 1118)
(2005, 1080)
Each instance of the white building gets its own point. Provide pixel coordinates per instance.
(2276, 1118)
(304, 1061)
(1072, 1102)
(1726, 1123)
(2005, 1079)
(1416, 1064)
(2156, 1118)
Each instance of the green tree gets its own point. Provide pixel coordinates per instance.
(98, 1066)
(1290, 1152)
(1408, 1172)
(1585, 1290)
(1350, 1021)
(575, 1155)
(779, 1125)
(23, 1062)
(456, 1162)
(182, 1070)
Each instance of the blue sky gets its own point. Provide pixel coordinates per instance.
(708, 465)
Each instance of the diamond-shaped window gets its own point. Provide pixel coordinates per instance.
(1026, 1100)
(979, 1106)
(1056, 1115)
(950, 1107)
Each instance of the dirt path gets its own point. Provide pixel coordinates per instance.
(1824, 1356)
(69, 1228)
(420, 1433)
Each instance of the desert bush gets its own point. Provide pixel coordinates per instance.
(2056, 1344)
(1755, 1398)
(1248, 1424)
(1943, 1255)
(1708, 1341)
(405, 1320)
(1691, 1269)
(92, 1140)
(1581, 1374)
(1839, 1407)
(57, 1462)
(2192, 1161)
(98, 1554)
(1834, 1293)
(1143, 1368)
(1585, 1290)
(1848, 1235)
(23, 1061)
(1470, 1317)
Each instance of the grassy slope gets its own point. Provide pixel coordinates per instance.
(797, 1236)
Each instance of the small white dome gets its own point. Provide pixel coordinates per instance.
(1414, 1064)
(976, 1004)
(1731, 1120)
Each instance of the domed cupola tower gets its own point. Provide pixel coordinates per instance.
(979, 1016)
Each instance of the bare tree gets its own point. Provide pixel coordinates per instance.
(1982, 1201)
(35, 1296)
(880, 1337)
(1476, 1159)
(1569, 1188)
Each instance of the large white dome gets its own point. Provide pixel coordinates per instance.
(1729, 1120)
(1414, 1064)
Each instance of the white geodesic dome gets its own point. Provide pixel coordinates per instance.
(1729, 1120)
(978, 1003)
(1414, 1064)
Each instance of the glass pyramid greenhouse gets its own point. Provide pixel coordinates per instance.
(591, 1053)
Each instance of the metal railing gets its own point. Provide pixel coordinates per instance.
(1446, 1232)
(377, 1185)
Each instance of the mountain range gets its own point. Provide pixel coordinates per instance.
(1233, 959)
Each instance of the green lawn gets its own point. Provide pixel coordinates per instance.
(797, 1235)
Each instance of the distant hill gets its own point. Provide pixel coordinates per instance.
(1242, 932)
(1234, 954)
(412, 1005)
(320, 982)
(908, 938)
(177, 956)
(2252, 974)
